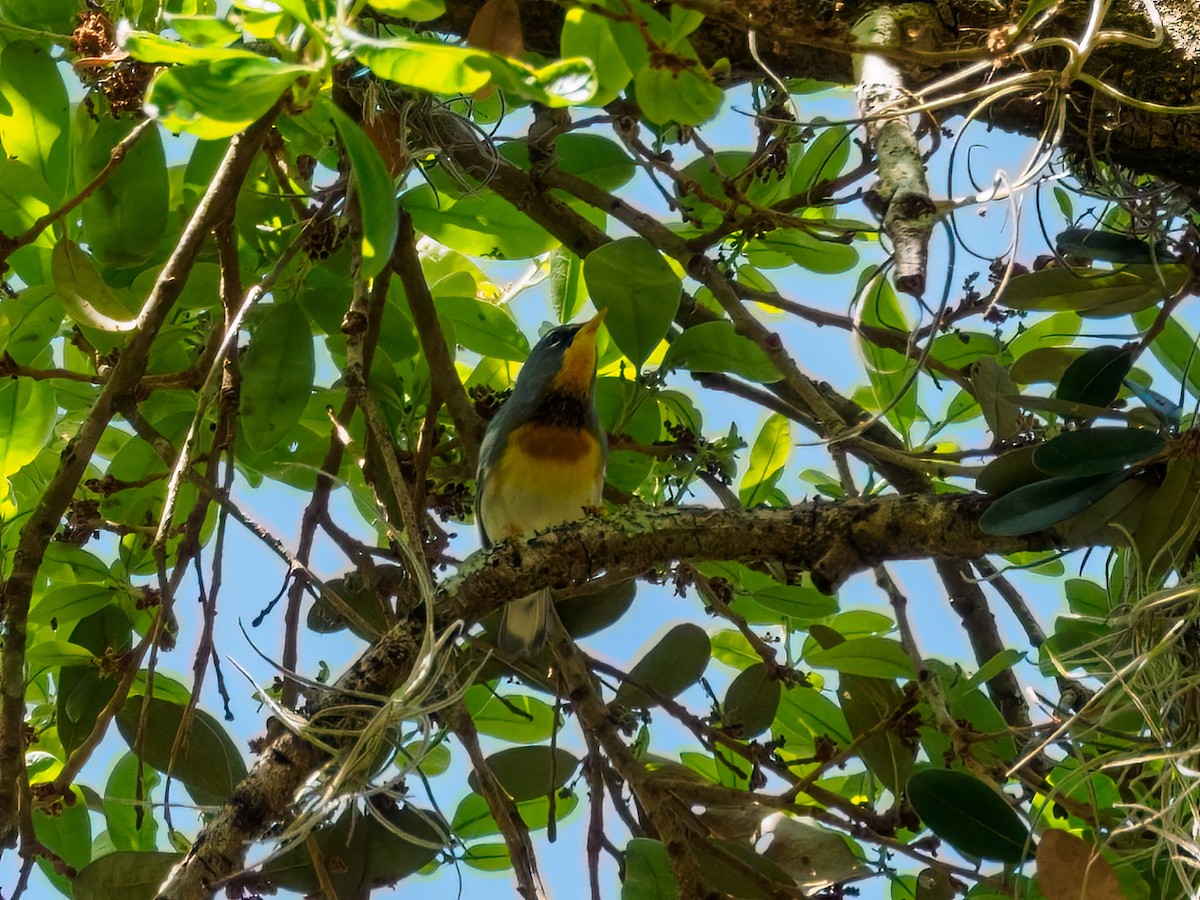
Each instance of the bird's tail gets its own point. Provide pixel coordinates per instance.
(523, 624)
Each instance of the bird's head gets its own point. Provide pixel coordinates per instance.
(562, 362)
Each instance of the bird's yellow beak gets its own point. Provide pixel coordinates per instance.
(579, 360)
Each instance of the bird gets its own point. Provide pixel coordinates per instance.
(542, 462)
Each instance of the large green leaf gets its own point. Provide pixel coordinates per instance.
(375, 192)
(481, 224)
(1094, 294)
(517, 718)
(1096, 377)
(125, 218)
(218, 97)
(878, 657)
(640, 291)
(35, 117)
(1044, 503)
(717, 347)
(128, 812)
(208, 762)
(648, 872)
(676, 662)
(1096, 451)
(588, 35)
(751, 701)
(124, 875)
(277, 376)
(449, 69)
(770, 453)
(27, 411)
(530, 772)
(674, 94)
(484, 328)
(970, 816)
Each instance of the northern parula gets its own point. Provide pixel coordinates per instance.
(542, 462)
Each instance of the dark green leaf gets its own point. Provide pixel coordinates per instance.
(969, 815)
(648, 872)
(530, 772)
(589, 613)
(277, 376)
(1095, 378)
(1009, 471)
(1098, 294)
(869, 705)
(124, 875)
(125, 218)
(208, 762)
(751, 701)
(676, 662)
(1095, 451)
(1044, 503)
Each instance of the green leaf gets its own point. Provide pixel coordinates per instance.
(888, 752)
(57, 16)
(768, 456)
(878, 657)
(676, 662)
(806, 717)
(69, 603)
(588, 35)
(594, 158)
(375, 191)
(824, 158)
(516, 718)
(449, 69)
(218, 97)
(792, 245)
(1044, 364)
(44, 654)
(648, 872)
(128, 875)
(125, 218)
(1096, 451)
(413, 10)
(969, 815)
(640, 291)
(35, 114)
(717, 347)
(481, 224)
(1044, 503)
(27, 412)
(530, 772)
(1174, 347)
(687, 96)
(962, 348)
(484, 328)
(84, 294)
(1009, 471)
(751, 701)
(488, 857)
(1100, 295)
(473, 819)
(128, 815)
(277, 376)
(208, 762)
(67, 833)
(1095, 378)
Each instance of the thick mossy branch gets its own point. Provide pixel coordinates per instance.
(833, 540)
